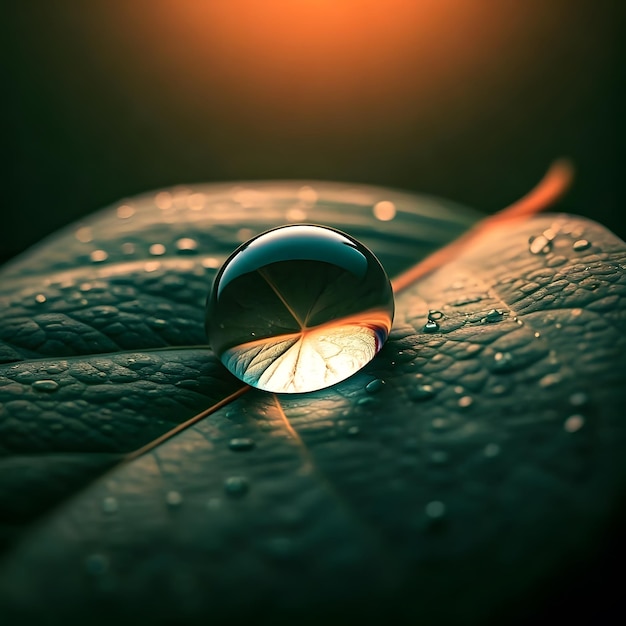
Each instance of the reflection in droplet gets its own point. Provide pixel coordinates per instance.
(40, 298)
(580, 245)
(47, 386)
(125, 211)
(173, 498)
(384, 211)
(574, 423)
(236, 486)
(109, 505)
(156, 249)
(241, 444)
(186, 245)
(299, 308)
(98, 256)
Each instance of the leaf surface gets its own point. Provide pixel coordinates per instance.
(461, 470)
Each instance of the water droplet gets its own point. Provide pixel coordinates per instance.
(156, 249)
(580, 245)
(295, 214)
(96, 564)
(125, 211)
(503, 362)
(434, 315)
(45, 385)
(163, 200)
(40, 298)
(128, 248)
(375, 386)
(579, 398)
(494, 315)
(210, 263)
(186, 245)
(574, 423)
(173, 498)
(491, 450)
(549, 380)
(236, 486)
(422, 392)
(353, 431)
(539, 244)
(431, 327)
(435, 509)
(537, 334)
(384, 210)
(84, 234)
(465, 401)
(98, 256)
(241, 444)
(109, 505)
(318, 302)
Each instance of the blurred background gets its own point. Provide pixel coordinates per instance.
(466, 99)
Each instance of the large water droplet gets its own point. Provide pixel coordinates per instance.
(45, 385)
(299, 308)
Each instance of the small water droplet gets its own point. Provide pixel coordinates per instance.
(196, 201)
(574, 423)
(236, 486)
(173, 498)
(465, 402)
(109, 505)
(40, 298)
(539, 244)
(549, 380)
(375, 386)
(157, 249)
(495, 315)
(431, 326)
(125, 211)
(45, 385)
(163, 200)
(537, 334)
(422, 392)
(435, 315)
(579, 398)
(435, 509)
(241, 444)
(491, 450)
(96, 564)
(128, 248)
(353, 431)
(98, 256)
(384, 210)
(84, 234)
(186, 245)
(580, 245)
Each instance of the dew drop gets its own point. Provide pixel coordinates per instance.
(435, 509)
(574, 423)
(47, 386)
(157, 249)
(434, 315)
(495, 315)
(537, 334)
(125, 211)
(491, 450)
(299, 308)
(96, 564)
(384, 211)
(580, 245)
(422, 392)
(431, 326)
(236, 486)
(109, 505)
(98, 256)
(465, 402)
(241, 444)
(375, 386)
(40, 298)
(186, 245)
(173, 499)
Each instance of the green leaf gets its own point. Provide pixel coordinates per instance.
(455, 475)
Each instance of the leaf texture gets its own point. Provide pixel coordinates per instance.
(457, 474)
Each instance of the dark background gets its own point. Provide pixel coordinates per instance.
(466, 99)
